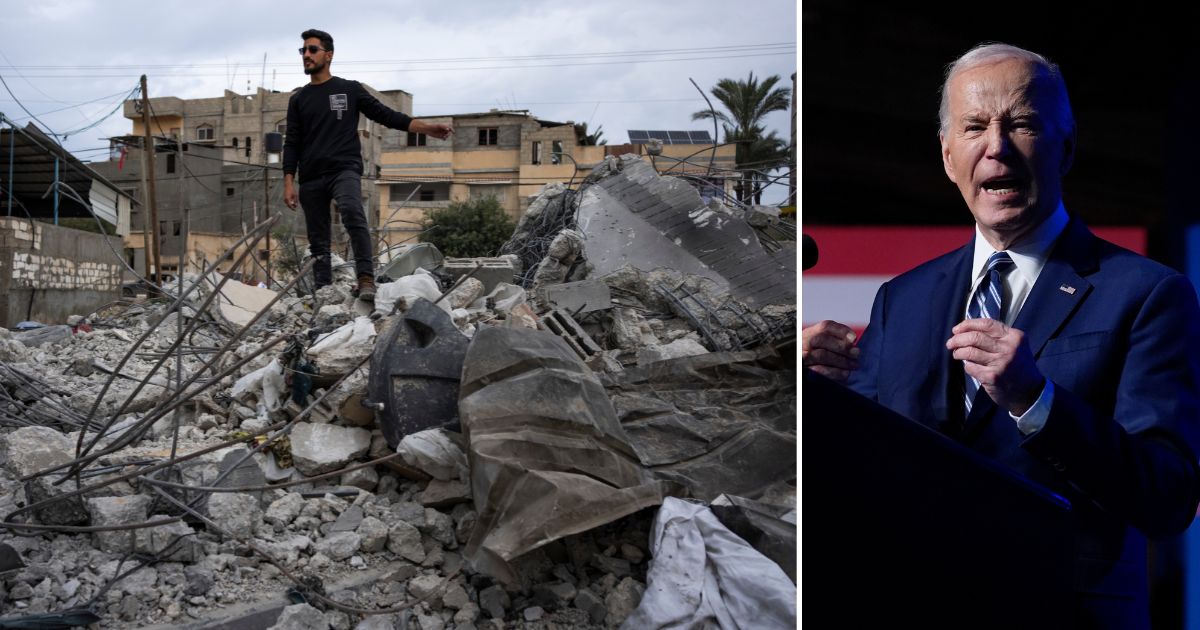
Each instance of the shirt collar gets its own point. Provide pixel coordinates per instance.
(1030, 254)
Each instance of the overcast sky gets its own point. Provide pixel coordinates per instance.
(71, 62)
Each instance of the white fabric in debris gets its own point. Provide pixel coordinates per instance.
(421, 284)
(269, 379)
(705, 576)
(356, 333)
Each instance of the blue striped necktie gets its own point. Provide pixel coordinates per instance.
(988, 301)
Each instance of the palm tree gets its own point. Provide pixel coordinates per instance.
(747, 103)
(586, 139)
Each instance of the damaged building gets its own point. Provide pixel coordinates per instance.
(595, 428)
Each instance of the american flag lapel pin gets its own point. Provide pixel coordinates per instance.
(1069, 290)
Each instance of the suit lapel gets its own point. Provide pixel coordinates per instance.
(1060, 288)
(947, 304)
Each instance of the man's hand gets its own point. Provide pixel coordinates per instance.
(290, 199)
(998, 357)
(828, 349)
(441, 131)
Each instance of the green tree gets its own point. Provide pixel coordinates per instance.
(466, 229)
(585, 139)
(747, 103)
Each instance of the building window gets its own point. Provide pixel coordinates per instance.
(204, 132)
(537, 151)
(487, 136)
(228, 192)
(235, 142)
(247, 146)
(416, 139)
(281, 126)
(426, 195)
(556, 150)
(170, 163)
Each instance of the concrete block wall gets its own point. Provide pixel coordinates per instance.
(48, 272)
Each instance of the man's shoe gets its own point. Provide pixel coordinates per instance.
(366, 288)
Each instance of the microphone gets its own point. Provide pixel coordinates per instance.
(809, 252)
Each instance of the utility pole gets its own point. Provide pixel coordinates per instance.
(148, 172)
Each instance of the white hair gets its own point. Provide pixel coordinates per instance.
(990, 53)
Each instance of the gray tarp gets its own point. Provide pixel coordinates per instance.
(548, 456)
(717, 423)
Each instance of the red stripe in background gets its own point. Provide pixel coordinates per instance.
(891, 250)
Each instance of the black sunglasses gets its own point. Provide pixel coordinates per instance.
(312, 49)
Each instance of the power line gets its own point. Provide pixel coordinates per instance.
(444, 69)
(542, 57)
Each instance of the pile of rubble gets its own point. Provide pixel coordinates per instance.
(488, 444)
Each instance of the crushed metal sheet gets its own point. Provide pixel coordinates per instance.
(548, 456)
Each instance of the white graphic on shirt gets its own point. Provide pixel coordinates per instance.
(338, 103)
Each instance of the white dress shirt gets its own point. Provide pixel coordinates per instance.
(1029, 256)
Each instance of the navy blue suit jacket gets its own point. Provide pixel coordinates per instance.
(1119, 335)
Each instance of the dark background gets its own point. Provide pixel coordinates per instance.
(870, 77)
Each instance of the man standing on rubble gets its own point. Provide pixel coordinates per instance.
(322, 142)
(1068, 359)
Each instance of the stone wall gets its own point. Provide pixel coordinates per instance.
(48, 272)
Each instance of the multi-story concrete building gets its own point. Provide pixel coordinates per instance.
(506, 154)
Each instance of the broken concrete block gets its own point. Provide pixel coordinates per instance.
(373, 534)
(435, 453)
(583, 296)
(492, 271)
(340, 351)
(443, 494)
(284, 510)
(683, 347)
(300, 617)
(60, 512)
(365, 478)
(624, 599)
(322, 448)
(238, 303)
(339, 545)
(590, 603)
(347, 399)
(32, 449)
(494, 599)
(236, 514)
(332, 315)
(178, 536)
(106, 511)
(404, 540)
(465, 293)
(562, 324)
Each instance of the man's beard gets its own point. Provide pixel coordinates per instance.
(314, 68)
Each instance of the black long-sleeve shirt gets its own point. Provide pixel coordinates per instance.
(322, 126)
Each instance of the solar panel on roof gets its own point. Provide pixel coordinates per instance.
(701, 137)
(638, 136)
(661, 135)
(680, 137)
